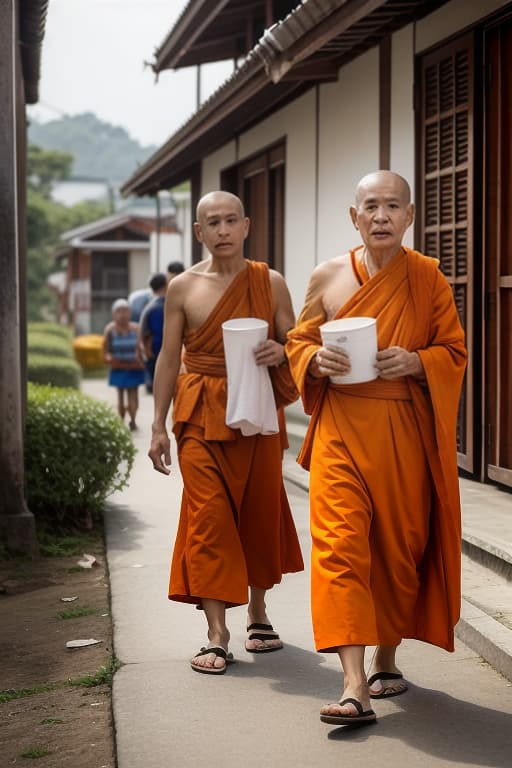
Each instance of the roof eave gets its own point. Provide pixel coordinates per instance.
(32, 22)
(196, 16)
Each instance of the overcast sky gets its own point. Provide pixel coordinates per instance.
(93, 61)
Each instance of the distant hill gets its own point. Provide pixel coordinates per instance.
(100, 149)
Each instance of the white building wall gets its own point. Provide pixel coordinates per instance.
(297, 124)
(212, 166)
(139, 270)
(452, 18)
(402, 155)
(348, 149)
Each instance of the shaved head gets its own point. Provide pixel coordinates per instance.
(217, 198)
(385, 179)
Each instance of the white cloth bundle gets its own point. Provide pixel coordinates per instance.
(251, 406)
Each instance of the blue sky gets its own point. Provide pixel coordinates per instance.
(93, 60)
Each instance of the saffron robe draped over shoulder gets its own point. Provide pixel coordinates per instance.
(236, 529)
(384, 494)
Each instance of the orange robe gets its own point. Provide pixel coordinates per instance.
(384, 494)
(236, 529)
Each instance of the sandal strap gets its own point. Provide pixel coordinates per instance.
(216, 649)
(268, 627)
(357, 704)
(261, 636)
(384, 676)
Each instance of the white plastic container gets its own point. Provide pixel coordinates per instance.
(251, 405)
(357, 336)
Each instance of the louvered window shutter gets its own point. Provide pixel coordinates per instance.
(445, 187)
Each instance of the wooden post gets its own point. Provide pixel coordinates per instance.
(16, 521)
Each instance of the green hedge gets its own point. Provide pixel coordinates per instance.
(49, 344)
(57, 371)
(77, 452)
(55, 329)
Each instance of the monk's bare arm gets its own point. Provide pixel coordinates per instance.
(271, 351)
(166, 372)
(326, 361)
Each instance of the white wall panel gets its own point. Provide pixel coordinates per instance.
(349, 148)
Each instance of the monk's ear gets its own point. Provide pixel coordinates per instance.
(198, 232)
(353, 216)
(247, 226)
(410, 214)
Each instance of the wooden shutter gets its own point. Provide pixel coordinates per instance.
(445, 187)
(497, 263)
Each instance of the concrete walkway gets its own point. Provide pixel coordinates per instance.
(264, 711)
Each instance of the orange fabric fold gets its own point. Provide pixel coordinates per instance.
(236, 529)
(385, 511)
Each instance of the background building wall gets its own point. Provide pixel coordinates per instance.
(402, 111)
(348, 149)
(452, 18)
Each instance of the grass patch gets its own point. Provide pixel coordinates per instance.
(76, 612)
(74, 569)
(103, 676)
(35, 752)
(66, 545)
(11, 694)
(51, 721)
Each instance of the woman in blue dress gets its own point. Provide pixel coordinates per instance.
(122, 353)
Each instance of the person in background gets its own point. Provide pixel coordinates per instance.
(138, 300)
(384, 493)
(174, 268)
(151, 326)
(121, 352)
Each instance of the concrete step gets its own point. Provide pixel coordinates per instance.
(486, 611)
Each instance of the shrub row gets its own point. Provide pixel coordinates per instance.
(77, 452)
(50, 356)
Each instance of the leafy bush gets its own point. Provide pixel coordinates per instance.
(77, 452)
(56, 371)
(55, 329)
(48, 344)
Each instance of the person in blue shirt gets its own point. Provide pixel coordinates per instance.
(151, 326)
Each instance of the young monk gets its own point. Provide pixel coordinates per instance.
(384, 498)
(235, 530)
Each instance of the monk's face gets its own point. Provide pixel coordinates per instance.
(221, 225)
(382, 212)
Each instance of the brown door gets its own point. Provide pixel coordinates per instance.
(444, 223)
(498, 254)
(259, 182)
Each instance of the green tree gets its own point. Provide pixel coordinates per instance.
(46, 221)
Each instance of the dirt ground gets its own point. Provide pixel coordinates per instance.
(44, 713)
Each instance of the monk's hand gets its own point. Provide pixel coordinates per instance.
(329, 361)
(160, 450)
(270, 353)
(395, 362)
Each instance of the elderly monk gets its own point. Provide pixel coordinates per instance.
(384, 497)
(235, 530)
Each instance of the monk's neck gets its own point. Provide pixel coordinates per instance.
(226, 267)
(375, 260)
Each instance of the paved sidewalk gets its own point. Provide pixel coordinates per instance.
(264, 711)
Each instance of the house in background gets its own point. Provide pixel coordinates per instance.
(108, 259)
(333, 89)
